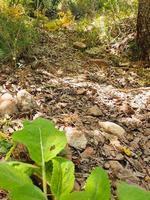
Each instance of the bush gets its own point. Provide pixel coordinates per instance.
(83, 8)
(16, 32)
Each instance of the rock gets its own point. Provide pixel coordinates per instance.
(75, 138)
(79, 45)
(98, 137)
(88, 152)
(132, 122)
(8, 104)
(95, 111)
(81, 91)
(25, 101)
(112, 128)
(115, 166)
(146, 132)
(107, 165)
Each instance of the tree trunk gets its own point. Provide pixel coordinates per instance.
(143, 29)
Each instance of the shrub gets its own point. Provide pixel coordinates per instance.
(16, 32)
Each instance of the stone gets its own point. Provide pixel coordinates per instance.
(112, 128)
(88, 152)
(95, 111)
(79, 45)
(146, 132)
(115, 166)
(98, 137)
(81, 91)
(8, 104)
(25, 101)
(107, 165)
(75, 138)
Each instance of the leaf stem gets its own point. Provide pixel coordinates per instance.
(43, 167)
(10, 151)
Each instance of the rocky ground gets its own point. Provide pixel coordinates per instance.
(104, 108)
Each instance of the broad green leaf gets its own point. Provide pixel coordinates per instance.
(23, 167)
(27, 192)
(97, 185)
(18, 184)
(131, 192)
(42, 139)
(62, 180)
(10, 178)
(75, 196)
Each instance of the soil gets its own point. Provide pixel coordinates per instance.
(66, 82)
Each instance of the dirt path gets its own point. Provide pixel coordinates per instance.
(67, 85)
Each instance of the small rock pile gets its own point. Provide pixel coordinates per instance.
(22, 102)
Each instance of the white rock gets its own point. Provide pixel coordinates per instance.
(8, 104)
(25, 100)
(75, 138)
(112, 128)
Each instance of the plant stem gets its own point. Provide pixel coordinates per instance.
(43, 167)
(10, 151)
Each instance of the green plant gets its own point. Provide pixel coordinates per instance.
(16, 32)
(44, 142)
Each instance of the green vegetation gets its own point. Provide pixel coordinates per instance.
(44, 143)
(17, 31)
(97, 22)
(104, 38)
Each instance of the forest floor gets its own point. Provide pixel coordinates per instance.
(77, 90)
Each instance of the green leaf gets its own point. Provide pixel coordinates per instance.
(10, 178)
(62, 180)
(131, 192)
(27, 192)
(42, 139)
(76, 196)
(97, 185)
(23, 167)
(18, 184)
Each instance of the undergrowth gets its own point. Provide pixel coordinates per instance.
(16, 32)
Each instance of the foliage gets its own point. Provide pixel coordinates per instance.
(130, 192)
(63, 21)
(44, 142)
(83, 8)
(4, 146)
(16, 32)
(103, 184)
